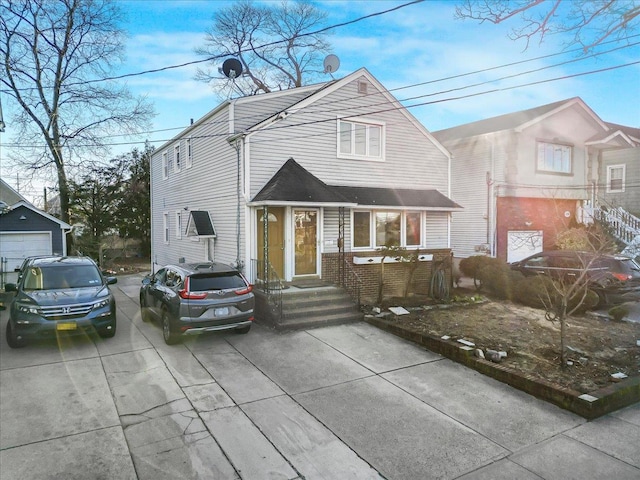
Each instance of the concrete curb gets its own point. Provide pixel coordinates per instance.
(590, 406)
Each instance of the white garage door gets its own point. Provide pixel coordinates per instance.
(521, 244)
(15, 247)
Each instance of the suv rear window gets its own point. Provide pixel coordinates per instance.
(216, 281)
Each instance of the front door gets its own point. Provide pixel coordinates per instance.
(305, 234)
(275, 239)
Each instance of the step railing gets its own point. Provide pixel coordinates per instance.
(622, 224)
(351, 282)
(266, 278)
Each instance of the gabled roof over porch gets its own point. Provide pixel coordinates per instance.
(293, 184)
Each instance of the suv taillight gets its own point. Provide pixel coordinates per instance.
(623, 277)
(244, 291)
(186, 294)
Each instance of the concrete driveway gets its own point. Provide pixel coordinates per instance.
(330, 403)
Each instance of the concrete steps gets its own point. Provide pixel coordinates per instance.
(309, 308)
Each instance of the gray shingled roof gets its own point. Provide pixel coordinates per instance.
(293, 183)
(497, 124)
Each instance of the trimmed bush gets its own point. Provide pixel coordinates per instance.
(536, 292)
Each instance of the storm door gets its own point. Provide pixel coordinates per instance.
(305, 235)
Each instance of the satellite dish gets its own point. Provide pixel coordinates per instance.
(232, 68)
(331, 64)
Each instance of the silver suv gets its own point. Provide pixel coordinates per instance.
(190, 299)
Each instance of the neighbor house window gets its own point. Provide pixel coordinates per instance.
(178, 224)
(360, 140)
(165, 166)
(376, 229)
(165, 226)
(176, 157)
(189, 154)
(554, 158)
(616, 178)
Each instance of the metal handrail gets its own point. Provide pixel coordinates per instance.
(351, 281)
(271, 285)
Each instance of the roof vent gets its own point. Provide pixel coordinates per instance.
(362, 87)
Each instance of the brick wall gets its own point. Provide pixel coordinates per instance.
(395, 274)
(548, 215)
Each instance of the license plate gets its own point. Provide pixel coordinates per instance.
(221, 312)
(66, 326)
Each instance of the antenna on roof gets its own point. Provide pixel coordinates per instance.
(331, 64)
(231, 68)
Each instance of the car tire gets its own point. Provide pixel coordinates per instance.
(108, 333)
(12, 340)
(242, 330)
(170, 338)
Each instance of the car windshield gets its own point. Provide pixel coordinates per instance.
(216, 281)
(61, 277)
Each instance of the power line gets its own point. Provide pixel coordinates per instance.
(217, 57)
(354, 115)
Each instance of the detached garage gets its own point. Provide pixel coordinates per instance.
(26, 231)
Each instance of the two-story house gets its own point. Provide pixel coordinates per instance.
(305, 183)
(524, 177)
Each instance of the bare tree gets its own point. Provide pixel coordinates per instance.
(272, 42)
(53, 54)
(589, 22)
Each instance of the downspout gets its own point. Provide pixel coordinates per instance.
(235, 143)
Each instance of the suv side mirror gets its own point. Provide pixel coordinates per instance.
(146, 280)
(10, 287)
(112, 280)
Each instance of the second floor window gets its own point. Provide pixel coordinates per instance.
(165, 166)
(176, 156)
(615, 178)
(360, 140)
(554, 158)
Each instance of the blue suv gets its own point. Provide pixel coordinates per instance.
(60, 295)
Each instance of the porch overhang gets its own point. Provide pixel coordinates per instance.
(293, 185)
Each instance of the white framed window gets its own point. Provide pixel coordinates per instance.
(361, 140)
(178, 223)
(165, 166)
(378, 228)
(176, 158)
(616, 178)
(165, 226)
(189, 160)
(554, 158)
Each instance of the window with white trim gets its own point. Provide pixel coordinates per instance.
(165, 226)
(189, 161)
(178, 224)
(165, 166)
(360, 140)
(176, 158)
(616, 178)
(553, 158)
(378, 228)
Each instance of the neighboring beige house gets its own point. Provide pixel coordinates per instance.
(300, 182)
(525, 176)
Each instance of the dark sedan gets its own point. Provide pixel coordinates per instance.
(190, 299)
(613, 278)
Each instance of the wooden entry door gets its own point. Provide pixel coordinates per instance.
(275, 238)
(306, 242)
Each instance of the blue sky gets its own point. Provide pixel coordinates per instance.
(413, 45)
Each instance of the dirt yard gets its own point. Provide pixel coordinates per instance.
(597, 347)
